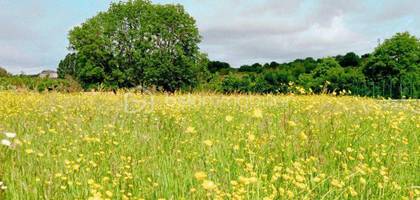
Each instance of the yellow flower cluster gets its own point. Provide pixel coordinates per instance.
(207, 146)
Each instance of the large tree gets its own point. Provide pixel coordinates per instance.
(351, 59)
(67, 66)
(396, 62)
(137, 43)
(215, 66)
(329, 73)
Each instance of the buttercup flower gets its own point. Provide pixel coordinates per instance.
(209, 185)
(200, 175)
(229, 118)
(258, 113)
(190, 130)
(208, 143)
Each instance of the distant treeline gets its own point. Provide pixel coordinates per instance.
(392, 70)
(34, 83)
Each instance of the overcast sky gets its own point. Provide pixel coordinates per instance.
(33, 33)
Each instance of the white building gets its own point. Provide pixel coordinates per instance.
(48, 74)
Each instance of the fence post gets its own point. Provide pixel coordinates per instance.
(365, 88)
(390, 88)
(357, 88)
(383, 88)
(373, 87)
(401, 92)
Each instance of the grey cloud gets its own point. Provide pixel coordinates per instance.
(244, 38)
(33, 33)
(285, 30)
(276, 49)
(397, 9)
(275, 7)
(12, 31)
(243, 31)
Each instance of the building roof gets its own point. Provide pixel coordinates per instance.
(48, 72)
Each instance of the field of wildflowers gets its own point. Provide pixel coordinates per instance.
(106, 146)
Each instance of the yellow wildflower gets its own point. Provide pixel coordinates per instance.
(190, 130)
(337, 183)
(229, 118)
(209, 143)
(200, 175)
(29, 151)
(302, 136)
(209, 185)
(258, 113)
(108, 193)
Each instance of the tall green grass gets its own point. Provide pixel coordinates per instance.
(104, 146)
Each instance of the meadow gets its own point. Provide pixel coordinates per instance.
(207, 146)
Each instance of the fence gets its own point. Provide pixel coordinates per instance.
(388, 89)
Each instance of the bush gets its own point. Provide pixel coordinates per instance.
(257, 68)
(236, 84)
(39, 84)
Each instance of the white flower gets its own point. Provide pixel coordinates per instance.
(10, 135)
(3, 187)
(6, 142)
(1, 183)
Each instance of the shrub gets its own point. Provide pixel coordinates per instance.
(39, 84)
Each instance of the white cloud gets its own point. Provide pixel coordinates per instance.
(241, 39)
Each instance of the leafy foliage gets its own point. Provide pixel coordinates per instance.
(395, 61)
(217, 66)
(392, 70)
(257, 68)
(68, 66)
(139, 43)
(38, 84)
(136, 43)
(349, 60)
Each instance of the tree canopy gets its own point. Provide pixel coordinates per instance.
(395, 58)
(68, 66)
(136, 43)
(396, 61)
(351, 59)
(216, 66)
(392, 70)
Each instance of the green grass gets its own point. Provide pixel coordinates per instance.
(77, 146)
